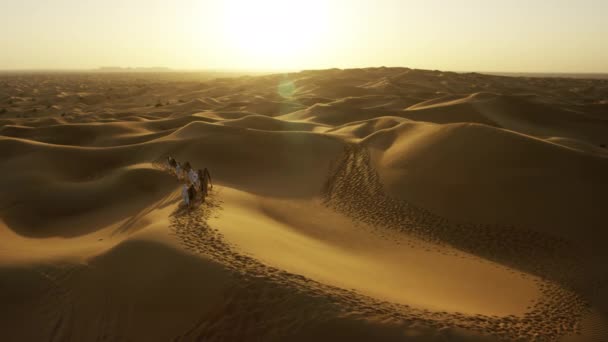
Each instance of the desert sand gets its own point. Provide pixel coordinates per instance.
(379, 204)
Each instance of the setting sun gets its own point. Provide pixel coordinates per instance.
(271, 30)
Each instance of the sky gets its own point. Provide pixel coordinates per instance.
(266, 35)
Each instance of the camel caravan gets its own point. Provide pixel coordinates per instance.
(197, 182)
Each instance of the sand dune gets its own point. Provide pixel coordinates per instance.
(384, 204)
(521, 113)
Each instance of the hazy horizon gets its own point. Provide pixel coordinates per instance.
(272, 35)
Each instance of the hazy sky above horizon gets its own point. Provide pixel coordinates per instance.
(466, 35)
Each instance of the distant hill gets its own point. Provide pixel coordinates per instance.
(130, 69)
(548, 74)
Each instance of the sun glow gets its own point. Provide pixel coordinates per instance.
(274, 33)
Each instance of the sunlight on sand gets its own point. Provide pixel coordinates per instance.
(398, 269)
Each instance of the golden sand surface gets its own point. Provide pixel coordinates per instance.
(378, 204)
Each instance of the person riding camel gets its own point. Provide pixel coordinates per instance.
(187, 167)
(171, 162)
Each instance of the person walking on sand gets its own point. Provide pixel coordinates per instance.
(207, 177)
(201, 185)
(178, 170)
(186, 196)
(193, 177)
(191, 194)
